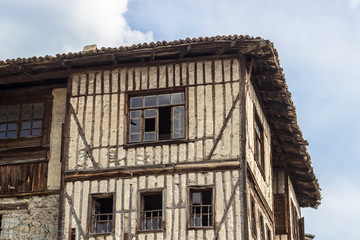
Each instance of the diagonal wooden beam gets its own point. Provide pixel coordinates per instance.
(227, 119)
(233, 192)
(73, 213)
(82, 135)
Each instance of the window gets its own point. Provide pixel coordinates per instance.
(262, 230)
(268, 233)
(151, 213)
(0, 224)
(102, 214)
(253, 218)
(259, 142)
(23, 120)
(157, 117)
(201, 207)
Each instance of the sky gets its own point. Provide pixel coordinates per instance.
(318, 45)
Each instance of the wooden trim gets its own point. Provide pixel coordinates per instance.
(14, 206)
(82, 135)
(39, 193)
(158, 169)
(20, 162)
(73, 213)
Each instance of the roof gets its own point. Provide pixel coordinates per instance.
(289, 146)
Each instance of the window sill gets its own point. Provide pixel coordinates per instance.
(150, 231)
(202, 228)
(95, 235)
(156, 143)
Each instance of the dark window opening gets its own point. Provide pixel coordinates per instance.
(259, 142)
(102, 215)
(268, 233)
(72, 234)
(262, 230)
(0, 224)
(151, 212)
(201, 209)
(157, 117)
(164, 123)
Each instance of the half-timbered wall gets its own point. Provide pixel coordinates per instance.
(262, 176)
(175, 208)
(99, 99)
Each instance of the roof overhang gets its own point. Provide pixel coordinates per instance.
(288, 145)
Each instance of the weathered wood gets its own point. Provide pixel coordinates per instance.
(34, 193)
(150, 170)
(13, 206)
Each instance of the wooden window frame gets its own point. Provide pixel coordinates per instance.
(92, 198)
(257, 139)
(140, 207)
(189, 212)
(142, 109)
(29, 96)
(253, 221)
(268, 233)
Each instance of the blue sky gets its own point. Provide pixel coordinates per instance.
(318, 45)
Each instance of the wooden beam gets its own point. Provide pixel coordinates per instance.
(82, 175)
(39, 193)
(13, 206)
(27, 71)
(66, 64)
(82, 135)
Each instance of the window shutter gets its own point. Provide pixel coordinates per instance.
(302, 228)
(280, 213)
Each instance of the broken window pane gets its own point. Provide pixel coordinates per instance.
(201, 210)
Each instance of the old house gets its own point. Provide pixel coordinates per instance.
(191, 139)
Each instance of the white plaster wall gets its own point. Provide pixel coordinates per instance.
(58, 118)
(265, 183)
(293, 199)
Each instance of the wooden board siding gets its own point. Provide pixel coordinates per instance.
(176, 202)
(99, 99)
(21, 178)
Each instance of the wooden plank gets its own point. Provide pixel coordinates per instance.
(13, 206)
(151, 170)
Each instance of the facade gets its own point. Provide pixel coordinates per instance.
(191, 139)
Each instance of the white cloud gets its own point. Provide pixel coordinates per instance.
(51, 27)
(354, 3)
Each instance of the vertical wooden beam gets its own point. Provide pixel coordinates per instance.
(64, 157)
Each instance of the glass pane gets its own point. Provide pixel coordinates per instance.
(25, 125)
(2, 135)
(179, 110)
(24, 133)
(36, 132)
(149, 136)
(37, 124)
(150, 113)
(12, 126)
(26, 108)
(177, 98)
(3, 110)
(26, 115)
(134, 137)
(136, 102)
(196, 197)
(150, 101)
(38, 110)
(2, 127)
(11, 134)
(178, 133)
(135, 125)
(135, 114)
(164, 99)
(13, 117)
(14, 109)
